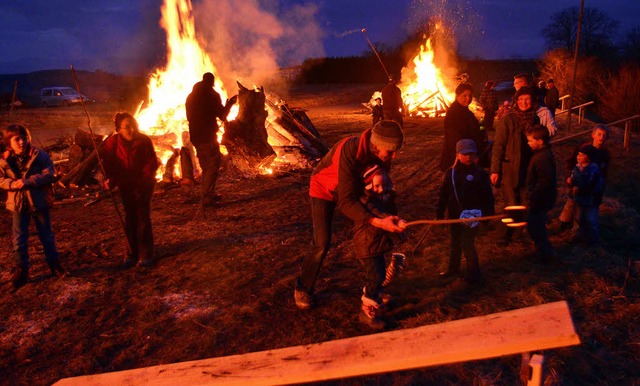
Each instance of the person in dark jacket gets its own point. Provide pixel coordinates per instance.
(601, 157)
(379, 199)
(204, 107)
(541, 190)
(130, 163)
(372, 243)
(460, 123)
(542, 92)
(392, 104)
(26, 174)
(377, 111)
(489, 102)
(587, 183)
(552, 97)
(510, 154)
(465, 187)
(337, 182)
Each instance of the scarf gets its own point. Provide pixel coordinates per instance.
(525, 119)
(19, 163)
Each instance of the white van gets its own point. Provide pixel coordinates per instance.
(59, 96)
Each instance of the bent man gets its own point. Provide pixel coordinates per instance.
(337, 182)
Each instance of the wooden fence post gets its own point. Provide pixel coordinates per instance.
(627, 135)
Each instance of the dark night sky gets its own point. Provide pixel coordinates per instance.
(123, 36)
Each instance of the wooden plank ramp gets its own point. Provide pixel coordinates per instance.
(541, 327)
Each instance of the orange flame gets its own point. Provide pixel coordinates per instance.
(164, 117)
(424, 87)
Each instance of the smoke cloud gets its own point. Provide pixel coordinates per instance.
(249, 43)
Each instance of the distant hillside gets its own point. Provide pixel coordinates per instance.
(99, 85)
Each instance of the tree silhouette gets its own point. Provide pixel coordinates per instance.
(631, 45)
(596, 34)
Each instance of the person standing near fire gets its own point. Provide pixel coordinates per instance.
(376, 111)
(489, 102)
(460, 123)
(26, 174)
(204, 106)
(552, 97)
(465, 189)
(337, 181)
(130, 163)
(392, 104)
(510, 153)
(372, 243)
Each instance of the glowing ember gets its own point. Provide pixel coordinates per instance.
(164, 117)
(424, 87)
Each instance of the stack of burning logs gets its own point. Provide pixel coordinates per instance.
(429, 106)
(270, 135)
(264, 135)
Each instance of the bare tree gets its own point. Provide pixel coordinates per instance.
(631, 45)
(557, 64)
(618, 93)
(597, 32)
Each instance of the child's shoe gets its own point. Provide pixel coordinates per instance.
(57, 270)
(303, 300)
(371, 314)
(385, 298)
(145, 263)
(20, 277)
(129, 262)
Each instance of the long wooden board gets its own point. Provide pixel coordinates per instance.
(542, 327)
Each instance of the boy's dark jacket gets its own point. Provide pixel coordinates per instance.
(589, 182)
(37, 193)
(541, 181)
(370, 241)
(473, 188)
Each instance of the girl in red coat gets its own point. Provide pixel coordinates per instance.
(130, 164)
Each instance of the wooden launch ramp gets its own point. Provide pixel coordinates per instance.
(520, 331)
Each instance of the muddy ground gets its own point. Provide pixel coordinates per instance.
(223, 282)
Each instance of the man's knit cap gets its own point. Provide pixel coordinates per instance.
(387, 135)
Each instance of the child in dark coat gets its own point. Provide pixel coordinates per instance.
(27, 173)
(372, 243)
(465, 187)
(587, 182)
(376, 111)
(541, 190)
(130, 163)
(601, 157)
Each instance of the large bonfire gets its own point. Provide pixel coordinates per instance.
(424, 86)
(163, 117)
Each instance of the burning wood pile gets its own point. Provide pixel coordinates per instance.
(268, 140)
(264, 138)
(434, 105)
(426, 88)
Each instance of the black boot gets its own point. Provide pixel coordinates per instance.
(56, 269)
(20, 277)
